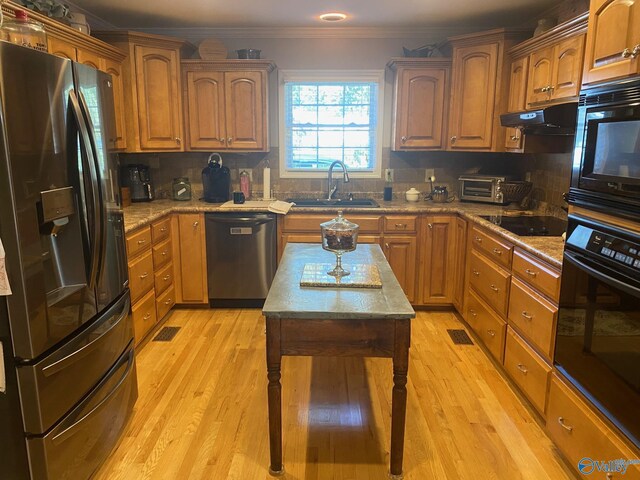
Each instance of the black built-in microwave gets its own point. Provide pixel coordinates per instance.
(606, 166)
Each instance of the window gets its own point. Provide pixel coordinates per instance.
(328, 116)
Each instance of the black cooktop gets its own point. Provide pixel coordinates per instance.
(530, 226)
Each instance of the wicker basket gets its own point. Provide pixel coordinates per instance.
(514, 191)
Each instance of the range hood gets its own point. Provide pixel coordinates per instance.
(553, 120)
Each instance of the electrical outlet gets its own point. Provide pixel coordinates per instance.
(388, 174)
(428, 173)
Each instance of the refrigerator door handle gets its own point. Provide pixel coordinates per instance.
(85, 143)
(103, 214)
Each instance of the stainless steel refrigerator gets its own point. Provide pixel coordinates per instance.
(66, 330)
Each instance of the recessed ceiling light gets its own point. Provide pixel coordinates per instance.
(332, 17)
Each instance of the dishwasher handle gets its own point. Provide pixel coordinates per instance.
(243, 221)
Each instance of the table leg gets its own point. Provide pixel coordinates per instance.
(399, 396)
(274, 392)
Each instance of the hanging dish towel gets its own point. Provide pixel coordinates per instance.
(5, 289)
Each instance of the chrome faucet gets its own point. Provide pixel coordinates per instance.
(331, 190)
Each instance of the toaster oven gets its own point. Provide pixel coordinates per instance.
(482, 188)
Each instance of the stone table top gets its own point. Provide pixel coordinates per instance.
(287, 299)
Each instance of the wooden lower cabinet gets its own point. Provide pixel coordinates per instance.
(459, 255)
(579, 432)
(190, 258)
(490, 281)
(488, 326)
(437, 260)
(144, 316)
(401, 253)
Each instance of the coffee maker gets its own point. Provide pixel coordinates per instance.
(138, 179)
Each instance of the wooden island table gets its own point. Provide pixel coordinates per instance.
(336, 321)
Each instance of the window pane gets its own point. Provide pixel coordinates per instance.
(330, 94)
(329, 155)
(357, 94)
(304, 137)
(356, 138)
(304, 115)
(328, 137)
(304, 157)
(356, 115)
(356, 158)
(330, 115)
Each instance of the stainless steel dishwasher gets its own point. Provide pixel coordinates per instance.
(241, 257)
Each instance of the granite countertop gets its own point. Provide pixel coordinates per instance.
(287, 299)
(547, 248)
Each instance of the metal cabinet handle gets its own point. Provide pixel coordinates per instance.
(229, 140)
(564, 425)
(140, 242)
(473, 312)
(515, 138)
(497, 251)
(168, 301)
(477, 239)
(453, 139)
(491, 332)
(178, 140)
(430, 225)
(144, 275)
(163, 229)
(476, 273)
(531, 272)
(494, 288)
(626, 53)
(636, 51)
(386, 245)
(164, 254)
(147, 316)
(526, 315)
(522, 368)
(195, 224)
(401, 225)
(403, 139)
(166, 277)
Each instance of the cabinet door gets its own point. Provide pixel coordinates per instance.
(613, 36)
(473, 97)
(567, 68)
(120, 135)
(91, 59)
(540, 76)
(158, 98)
(205, 110)
(61, 48)
(400, 251)
(517, 98)
(245, 110)
(436, 269)
(420, 108)
(193, 259)
(459, 255)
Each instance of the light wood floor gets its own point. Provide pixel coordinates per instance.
(202, 410)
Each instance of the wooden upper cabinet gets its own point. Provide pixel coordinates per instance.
(540, 76)
(204, 110)
(475, 70)
(91, 59)
(245, 110)
(159, 109)
(420, 105)
(567, 68)
(613, 40)
(62, 48)
(120, 135)
(226, 105)
(517, 98)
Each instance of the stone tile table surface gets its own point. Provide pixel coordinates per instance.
(336, 322)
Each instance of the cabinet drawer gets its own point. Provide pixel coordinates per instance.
(162, 253)
(311, 223)
(163, 278)
(527, 369)
(161, 229)
(400, 223)
(534, 316)
(490, 281)
(138, 241)
(165, 302)
(537, 274)
(140, 276)
(144, 317)
(579, 433)
(498, 250)
(488, 326)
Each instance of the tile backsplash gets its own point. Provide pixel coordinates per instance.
(550, 173)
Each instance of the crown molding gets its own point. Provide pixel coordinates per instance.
(195, 34)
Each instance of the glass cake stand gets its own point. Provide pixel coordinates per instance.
(339, 236)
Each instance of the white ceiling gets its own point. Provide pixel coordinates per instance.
(304, 13)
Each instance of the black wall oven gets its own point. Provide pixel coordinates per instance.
(598, 333)
(606, 168)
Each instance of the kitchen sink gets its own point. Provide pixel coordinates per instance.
(320, 202)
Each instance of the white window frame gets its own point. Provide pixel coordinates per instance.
(374, 76)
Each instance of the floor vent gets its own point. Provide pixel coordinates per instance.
(460, 337)
(166, 334)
